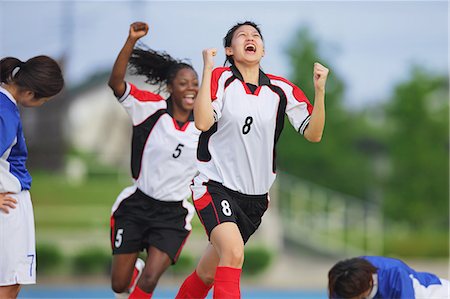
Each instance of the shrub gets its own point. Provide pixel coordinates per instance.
(184, 265)
(257, 259)
(91, 261)
(48, 258)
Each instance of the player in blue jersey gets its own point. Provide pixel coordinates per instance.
(153, 214)
(240, 111)
(29, 84)
(370, 277)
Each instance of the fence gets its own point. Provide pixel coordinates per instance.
(327, 221)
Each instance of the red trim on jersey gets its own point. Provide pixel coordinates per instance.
(248, 91)
(143, 95)
(181, 247)
(215, 211)
(183, 128)
(112, 222)
(216, 73)
(296, 91)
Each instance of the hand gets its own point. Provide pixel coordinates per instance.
(208, 55)
(320, 76)
(7, 202)
(138, 30)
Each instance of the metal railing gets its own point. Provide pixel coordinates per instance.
(327, 221)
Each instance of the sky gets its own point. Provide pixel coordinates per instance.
(371, 45)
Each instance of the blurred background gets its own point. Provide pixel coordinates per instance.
(378, 183)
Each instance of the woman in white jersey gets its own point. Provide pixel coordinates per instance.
(153, 213)
(240, 111)
(29, 84)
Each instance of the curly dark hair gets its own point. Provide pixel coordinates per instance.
(159, 67)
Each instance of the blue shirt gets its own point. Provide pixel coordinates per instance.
(14, 176)
(394, 279)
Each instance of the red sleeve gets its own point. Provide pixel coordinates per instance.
(298, 94)
(217, 72)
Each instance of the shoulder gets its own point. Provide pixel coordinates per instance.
(288, 87)
(7, 107)
(143, 95)
(278, 80)
(220, 72)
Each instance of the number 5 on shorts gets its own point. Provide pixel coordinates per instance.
(226, 209)
(118, 238)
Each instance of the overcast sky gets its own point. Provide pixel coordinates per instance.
(370, 44)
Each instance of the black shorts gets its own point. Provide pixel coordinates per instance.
(141, 221)
(220, 204)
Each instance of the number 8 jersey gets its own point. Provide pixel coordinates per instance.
(238, 151)
(163, 152)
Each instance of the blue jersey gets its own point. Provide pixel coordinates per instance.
(14, 176)
(395, 278)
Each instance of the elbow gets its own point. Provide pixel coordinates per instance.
(314, 139)
(202, 126)
(111, 84)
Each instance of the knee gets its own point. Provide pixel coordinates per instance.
(148, 282)
(232, 256)
(119, 286)
(206, 275)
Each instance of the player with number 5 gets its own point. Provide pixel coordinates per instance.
(240, 111)
(153, 214)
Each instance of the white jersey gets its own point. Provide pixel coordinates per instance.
(239, 149)
(163, 152)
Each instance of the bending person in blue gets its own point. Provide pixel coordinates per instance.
(369, 277)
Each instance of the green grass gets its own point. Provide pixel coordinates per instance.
(62, 205)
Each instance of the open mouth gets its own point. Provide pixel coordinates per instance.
(189, 99)
(250, 48)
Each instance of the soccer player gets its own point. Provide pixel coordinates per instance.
(153, 213)
(370, 277)
(241, 112)
(29, 84)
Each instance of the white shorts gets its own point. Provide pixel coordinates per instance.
(17, 243)
(434, 291)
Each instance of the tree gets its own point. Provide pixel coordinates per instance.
(417, 190)
(338, 161)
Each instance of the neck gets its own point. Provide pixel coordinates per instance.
(179, 114)
(12, 89)
(250, 73)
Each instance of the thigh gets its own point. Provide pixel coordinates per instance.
(122, 267)
(214, 207)
(206, 268)
(9, 291)
(128, 224)
(157, 262)
(226, 238)
(168, 226)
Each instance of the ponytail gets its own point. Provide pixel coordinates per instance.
(159, 67)
(41, 75)
(8, 66)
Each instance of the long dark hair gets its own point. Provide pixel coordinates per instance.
(229, 36)
(350, 278)
(159, 67)
(41, 75)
